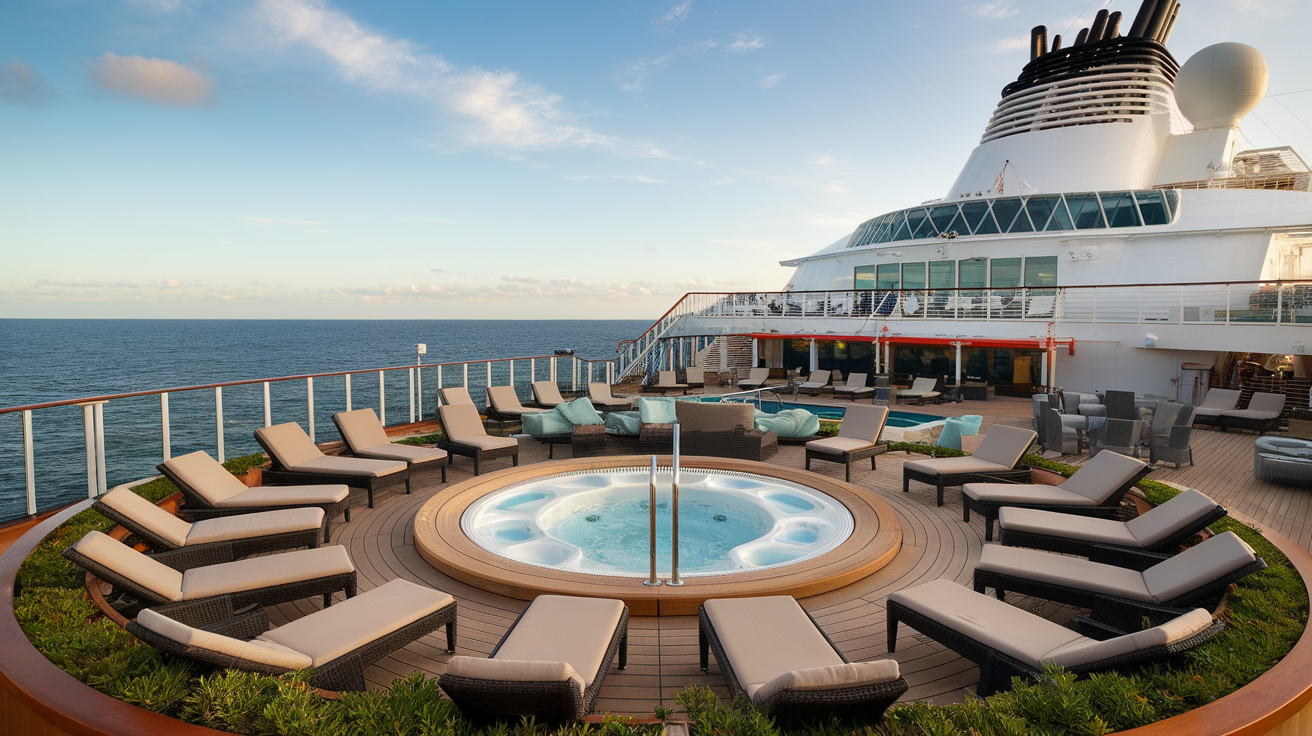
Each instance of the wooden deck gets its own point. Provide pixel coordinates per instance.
(936, 544)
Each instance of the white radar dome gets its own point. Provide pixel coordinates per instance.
(1221, 84)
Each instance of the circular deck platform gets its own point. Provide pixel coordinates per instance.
(874, 542)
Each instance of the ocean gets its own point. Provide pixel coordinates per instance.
(52, 360)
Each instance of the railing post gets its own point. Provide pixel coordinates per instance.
(610, 372)
(574, 374)
(100, 446)
(419, 393)
(382, 401)
(309, 404)
(348, 391)
(89, 432)
(410, 391)
(268, 413)
(489, 375)
(437, 396)
(553, 369)
(29, 462)
(1280, 301)
(512, 372)
(1227, 304)
(532, 369)
(164, 426)
(464, 377)
(218, 420)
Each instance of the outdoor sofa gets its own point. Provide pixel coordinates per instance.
(857, 439)
(338, 642)
(1160, 529)
(203, 574)
(997, 457)
(1095, 489)
(503, 403)
(801, 673)
(463, 434)
(600, 396)
(296, 459)
(723, 430)
(1008, 642)
(550, 665)
(246, 534)
(210, 491)
(546, 394)
(365, 437)
(817, 382)
(855, 388)
(922, 390)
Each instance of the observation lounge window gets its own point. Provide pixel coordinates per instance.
(1004, 273)
(863, 277)
(1004, 211)
(918, 223)
(1085, 212)
(913, 275)
(1040, 271)
(942, 217)
(943, 274)
(887, 277)
(979, 219)
(1152, 205)
(1120, 210)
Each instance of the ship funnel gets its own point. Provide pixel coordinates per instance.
(1113, 25)
(1038, 42)
(1080, 39)
(1161, 16)
(1170, 25)
(1099, 26)
(1056, 42)
(1141, 18)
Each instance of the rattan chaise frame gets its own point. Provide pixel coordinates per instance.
(240, 547)
(478, 455)
(848, 457)
(553, 702)
(278, 474)
(419, 473)
(996, 669)
(866, 700)
(346, 672)
(1109, 508)
(188, 558)
(1066, 545)
(1015, 474)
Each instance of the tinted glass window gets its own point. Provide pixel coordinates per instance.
(1152, 208)
(1004, 211)
(1040, 210)
(1022, 222)
(1084, 211)
(913, 275)
(942, 216)
(887, 277)
(1040, 271)
(864, 277)
(1120, 210)
(943, 275)
(1004, 273)
(958, 225)
(975, 213)
(903, 233)
(918, 222)
(973, 273)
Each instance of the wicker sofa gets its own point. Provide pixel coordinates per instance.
(723, 430)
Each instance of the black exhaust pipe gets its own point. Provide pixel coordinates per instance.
(1113, 25)
(1080, 39)
(1038, 42)
(1056, 42)
(1161, 16)
(1099, 26)
(1141, 18)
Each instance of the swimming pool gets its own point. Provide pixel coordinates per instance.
(835, 413)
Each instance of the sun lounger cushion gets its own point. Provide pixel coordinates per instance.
(656, 411)
(247, 526)
(1019, 493)
(285, 496)
(787, 423)
(1176, 630)
(623, 422)
(1214, 558)
(852, 674)
(1074, 572)
(1261, 406)
(361, 429)
(289, 444)
(1217, 401)
(152, 575)
(755, 377)
(666, 379)
(355, 466)
(456, 395)
(464, 427)
(557, 628)
(547, 392)
(263, 572)
(1155, 525)
(580, 413)
(504, 400)
(256, 650)
(1099, 478)
(486, 442)
(206, 476)
(1004, 445)
(506, 670)
(332, 632)
(954, 465)
(157, 520)
(743, 624)
(412, 454)
(836, 445)
(921, 388)
(1066, 526)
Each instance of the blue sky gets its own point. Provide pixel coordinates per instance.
(301, 159)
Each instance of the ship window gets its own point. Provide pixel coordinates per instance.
(903, 232)
(1152, 207)
(1172, 201)
(913, 275)
(918, 222)
(1040, 271)
(1004, 273)
(1085, 211)
(1120, 210)
(887, 276)
(863, 277)
(958, 225)
(973, 273)
(1040, 210)
(1004, 210)
(978, 218)
(942, 217)
(943, 275)
(1022, 223)
(1061, 220)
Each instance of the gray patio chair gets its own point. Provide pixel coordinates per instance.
(1118, 435)
(1171, 434)
(1120, 405)
(1061, 432)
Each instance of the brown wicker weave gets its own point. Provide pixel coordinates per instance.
(847, 458)
(1109, 508)
(240, 547)
(867, 700)
(479, 455)
(1019, 474)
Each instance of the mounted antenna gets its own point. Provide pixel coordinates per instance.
(1099, 26)
(1113, 25)
(1141, 18)
(1038, 42)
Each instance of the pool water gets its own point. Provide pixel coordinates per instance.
(835, 413)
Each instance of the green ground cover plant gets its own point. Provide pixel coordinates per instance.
(1266, 615)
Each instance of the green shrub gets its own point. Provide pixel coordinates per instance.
(427, 439)
(239, 465)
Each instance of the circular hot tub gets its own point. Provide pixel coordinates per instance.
(600, 521)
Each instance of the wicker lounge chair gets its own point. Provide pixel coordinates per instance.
(1131, 579)
(503, 403)
(1115, 435)
(1008, 642)
(550, 665)
(1171, 435)
(1096, 489)
(665, 383)
(212, 491)
(338, 642)
(600, 396)
(756, 378)
(546, 394)
(1262, 414)
(457, 395)
(1161, 529)
(997, 457)
(695, 377)
(1061, 432)
(922, 390)
(463, 434)
(246, 534)
(817, 382)
(806, 676)
(365, 437)
(855, 388)
(1120, 405)
(858, 439)
(1217, 400)
(296, 459)
(202, 574)
(722, 430)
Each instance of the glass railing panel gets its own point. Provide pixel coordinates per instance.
(1253, 303)
(1296, 304)
(1204, 303)
(1159, 304)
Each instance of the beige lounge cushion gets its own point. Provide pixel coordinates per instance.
(513, 670)
(1217, 401)
(1102, 475)
(456, 395)
(1065, 526)
(1073, 572)
(863, 423)
(1184, 510)
(1174, 631)
(837, 445)
(767, 637)
(547, 393)
(695, 375)
(1022, 493)
(953, 465)
(505, 400)
(274, 655)
(154, 576)
(148, 515)
(1197, 566)
(487, 442)
(261, 496)
(599, 393)
(411, 454)
(817, 379)
(253, 573)
(695, 416)
(556, 628)
(854, 381)
(332, 632)
(833, 677)
(667, 379)
(355, 466)
(260, 524)
(995, 624)
(206, 476)
(460, 422)
(755, 377)
(1005, 445)
(288, 444)
(361, 429)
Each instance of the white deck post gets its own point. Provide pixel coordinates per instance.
(573, 373)
(756, 352)
(89, 432)
(553, 369)
(309, 404)
(348, 391)
(419, 392)
(410, 391)
(382, 403)
(610, 372)
(164, 426)
(437, 397)
(268, 414)
(29, 462)
(100, 446)
(464, 376)
(489, 375)
(218, 420)
(958, 344)
(815, 358)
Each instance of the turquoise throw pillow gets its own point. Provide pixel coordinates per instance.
(788, 423)
(656, 411)
(623, 422)
(579, 412)
(546, 424)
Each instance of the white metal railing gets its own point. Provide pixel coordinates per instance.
(135, 450)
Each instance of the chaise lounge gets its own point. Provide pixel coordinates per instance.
(546, 394)
(756, 378)
(1095, 489)
(997, 457)
(922, 390)
(1262, 414)
(365, 437)
(1008, 642)
(1158, 530)
(665, 383)
(338, 642)
(456, 395)
(1217, 400)
(463, 434)
(246, 534)
(855, 387)
(204, 574)
(503, 403)
(695, 377)
(858, 439)
(817, 382)
(802, 673)
(550, 665)
(296, 459)
(212, 491)
(600, 396)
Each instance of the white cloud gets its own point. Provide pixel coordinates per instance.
(639, 178)
(746, 41)
(424, 219)
(1006, 45)
(20, 83)
(255, 220)
(675, 14)
(822, 160)
(159, 6)
(1001, 9)
(770, 81)
(635, 74)
(156, 80)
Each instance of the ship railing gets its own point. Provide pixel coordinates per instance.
(124, 435)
